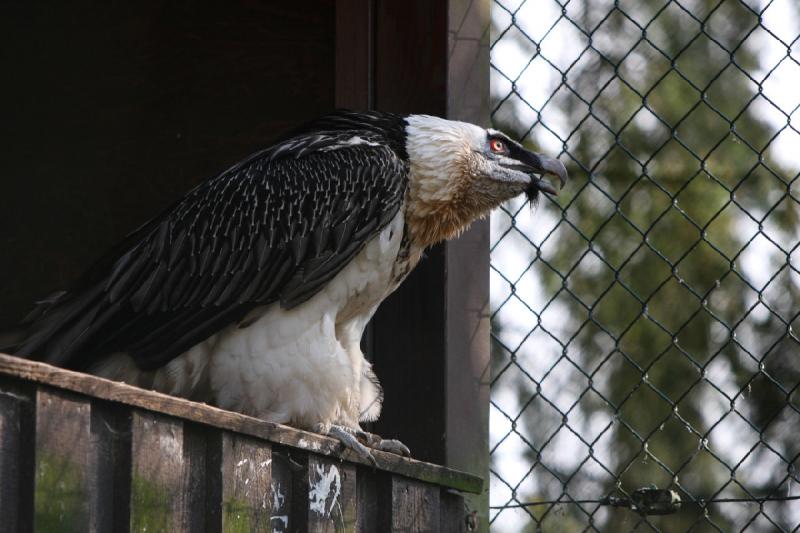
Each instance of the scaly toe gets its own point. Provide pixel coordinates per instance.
(350, 441)
(385, 445)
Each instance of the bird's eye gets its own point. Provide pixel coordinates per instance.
(497, 146)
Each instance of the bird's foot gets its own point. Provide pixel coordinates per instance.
(348, 439)
(386, 445)
(362, 442)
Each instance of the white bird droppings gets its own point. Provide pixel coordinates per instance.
(326, 485)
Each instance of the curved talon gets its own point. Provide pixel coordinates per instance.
(394, 446)
(385, 445)
(348, 440)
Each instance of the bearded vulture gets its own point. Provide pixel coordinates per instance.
(252, 291)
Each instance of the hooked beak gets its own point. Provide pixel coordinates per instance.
(546, 165)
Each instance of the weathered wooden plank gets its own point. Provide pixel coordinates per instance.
(214, 476)
(157, 473)
(331, 496)
(168, 483)
(205, 414)
(64, 486)
(246, 477)
(452, 515)
(17, 420)
(414, 506)
(203, 501)
(298, 518)
(111, 461)
(10, 449)
(367, 506)
(281, 493)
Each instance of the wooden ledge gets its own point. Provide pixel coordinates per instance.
(201, 413)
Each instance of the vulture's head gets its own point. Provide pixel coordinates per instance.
(460, 172)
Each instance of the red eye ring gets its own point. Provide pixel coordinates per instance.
(497, 146)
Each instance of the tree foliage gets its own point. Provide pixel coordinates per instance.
(660, 348)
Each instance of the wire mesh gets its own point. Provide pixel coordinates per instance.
(646, 363)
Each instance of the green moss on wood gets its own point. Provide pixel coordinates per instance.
(61, 496)
(237, 516)
(151, 506)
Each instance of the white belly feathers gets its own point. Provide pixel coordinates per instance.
(301, 366)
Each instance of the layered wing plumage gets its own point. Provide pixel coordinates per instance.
(275, 227)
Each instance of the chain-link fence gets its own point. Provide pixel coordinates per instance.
(646, 362)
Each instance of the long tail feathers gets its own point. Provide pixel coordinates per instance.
(57, 326)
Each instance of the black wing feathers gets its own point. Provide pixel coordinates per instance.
(275, 227)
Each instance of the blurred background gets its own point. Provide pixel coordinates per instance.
(643, 321)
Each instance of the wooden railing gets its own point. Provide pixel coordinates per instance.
(81, 453)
